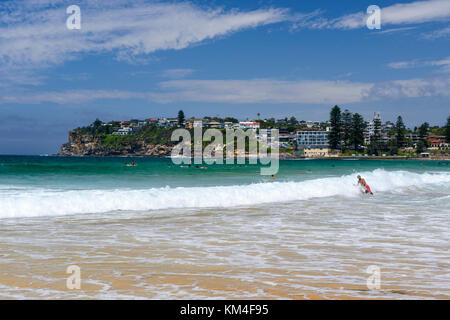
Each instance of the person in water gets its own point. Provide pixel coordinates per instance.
(363, 183)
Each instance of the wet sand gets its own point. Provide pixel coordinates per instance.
(201, 255)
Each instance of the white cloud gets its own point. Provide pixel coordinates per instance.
(396, 30)
(412, 88)
(443, 64)
(253, 92)
(437, 33)
(177, 73)
(397, 14)
(71, 96)
(261, 91)
(402, 64)
(35, 33)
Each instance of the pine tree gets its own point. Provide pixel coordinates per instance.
(334, 136)
(447, 130)
(376, 135)
(400, 132)
(357, 131)
(180, 118)
(423, 133)
(347, 124)
(96, 125)
(420, 147)
(293, 121)
(393, 146)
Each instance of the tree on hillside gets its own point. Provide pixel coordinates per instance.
(420, 147)
(334, 136)
(393, 146)
(347, 124)
(423, 133)
(357, 131)
(375, 145)
(377, 133)
(96, 125)
(447, 130)
(400, 132)
(230, 119)
(180, 118)
(293, 121)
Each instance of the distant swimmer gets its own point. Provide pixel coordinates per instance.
(272, 177)
(364, 184)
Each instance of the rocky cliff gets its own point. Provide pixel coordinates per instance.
(90, 145)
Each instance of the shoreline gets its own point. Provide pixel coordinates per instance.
(281, 157)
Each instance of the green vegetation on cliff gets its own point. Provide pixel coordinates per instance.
(149, 133)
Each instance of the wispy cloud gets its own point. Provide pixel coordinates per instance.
(177, 73)
(412, 88)
(253, 91)
(397, 14)
(35, 33)
(443, 64)
(260, 91)
(71, 96)
(396, 30)
(403, 64)
(437, 33)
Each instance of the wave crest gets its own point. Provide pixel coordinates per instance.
(33, 203)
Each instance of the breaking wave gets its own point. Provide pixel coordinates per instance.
(46, 202)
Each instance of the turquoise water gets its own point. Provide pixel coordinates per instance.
(309, 231)
(40, 186)
(111, 173)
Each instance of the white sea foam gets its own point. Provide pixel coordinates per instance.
(33, 203)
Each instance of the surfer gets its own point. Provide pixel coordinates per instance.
(364, 184)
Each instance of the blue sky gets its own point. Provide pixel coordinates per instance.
(140, 59)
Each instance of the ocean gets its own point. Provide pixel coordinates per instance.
(164, 231)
